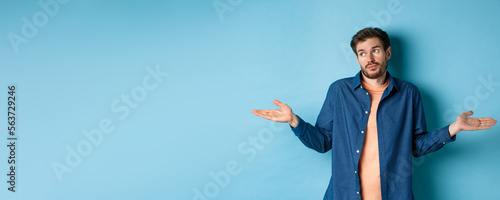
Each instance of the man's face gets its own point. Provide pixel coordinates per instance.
(372, 57)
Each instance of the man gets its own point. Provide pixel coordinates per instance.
(373, 123)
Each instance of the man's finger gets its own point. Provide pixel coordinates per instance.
(263, 115)
(486, 118)
(487, 121)
(469, 113)
(278, 103)
(266, 114)
(260, 113)
(483, 127)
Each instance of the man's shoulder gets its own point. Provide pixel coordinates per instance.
(403, 85)
(346, 82)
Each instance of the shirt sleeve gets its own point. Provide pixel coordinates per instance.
(319, 136)
(425, 142)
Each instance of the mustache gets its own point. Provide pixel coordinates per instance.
(373, 63)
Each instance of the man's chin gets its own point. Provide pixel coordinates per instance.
(372, 74)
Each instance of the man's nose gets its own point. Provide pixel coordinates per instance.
(371, 58)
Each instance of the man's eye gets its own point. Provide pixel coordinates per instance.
(362, 54)
(376, 50)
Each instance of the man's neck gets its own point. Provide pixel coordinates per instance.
(375, 82)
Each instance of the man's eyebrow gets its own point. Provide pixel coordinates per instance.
(377, 46)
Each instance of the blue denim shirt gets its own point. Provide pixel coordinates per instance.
(401, 128)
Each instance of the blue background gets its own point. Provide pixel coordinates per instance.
(221, 64)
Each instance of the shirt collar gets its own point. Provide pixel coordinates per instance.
(357, 82)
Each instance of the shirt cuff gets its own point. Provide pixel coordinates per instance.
(445, 135)
(299, 129)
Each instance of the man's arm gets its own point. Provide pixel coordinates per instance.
(425, 142)
(466, 123)
(315, 137)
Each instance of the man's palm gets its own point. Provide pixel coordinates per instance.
(466, 123)
(283, 114)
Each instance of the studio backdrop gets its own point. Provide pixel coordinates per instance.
(152, 99)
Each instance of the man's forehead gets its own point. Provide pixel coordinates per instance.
(369, 43)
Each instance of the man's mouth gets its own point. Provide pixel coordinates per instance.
(371, 66)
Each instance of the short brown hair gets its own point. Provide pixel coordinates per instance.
(368, 33)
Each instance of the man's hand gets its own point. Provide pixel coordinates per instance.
(466, 123)
(283, 114)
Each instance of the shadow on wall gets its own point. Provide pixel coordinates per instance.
(396, 63)
(428, 170)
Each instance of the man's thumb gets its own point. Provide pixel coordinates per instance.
(278, 103)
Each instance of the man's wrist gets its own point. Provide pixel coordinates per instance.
(295, 121)
(453, 129)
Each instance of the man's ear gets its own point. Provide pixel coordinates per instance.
(388, 53)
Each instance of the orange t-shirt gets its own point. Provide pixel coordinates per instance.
(369, 165)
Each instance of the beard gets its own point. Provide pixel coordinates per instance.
(375, 74)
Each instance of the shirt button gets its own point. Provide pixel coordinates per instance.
(357, 151)
(355, 172)
(362, 132)
(366, 112)
(444, 142)
(367, 93)
(357, 192)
